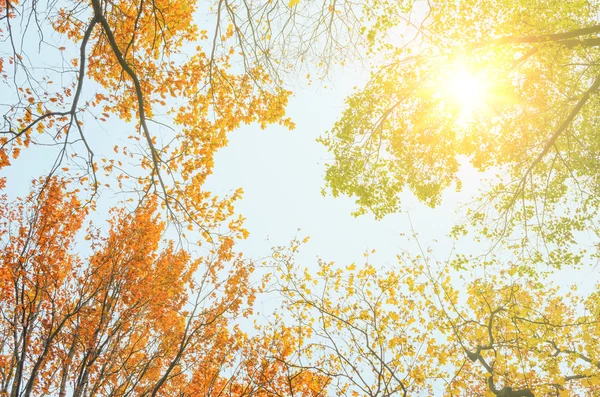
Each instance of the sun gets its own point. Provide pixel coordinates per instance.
(467, 91)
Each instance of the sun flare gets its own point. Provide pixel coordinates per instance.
(467, 91)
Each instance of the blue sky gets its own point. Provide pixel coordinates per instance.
(281, 173)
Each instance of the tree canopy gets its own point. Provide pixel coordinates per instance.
(506, 87)
(420, 327)
(136, 97)
(69, 67)
(136, 316)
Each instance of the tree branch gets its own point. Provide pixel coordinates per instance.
(539, 39)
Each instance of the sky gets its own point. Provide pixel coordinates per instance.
(281, 173)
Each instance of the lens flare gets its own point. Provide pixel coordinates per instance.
(467, 92)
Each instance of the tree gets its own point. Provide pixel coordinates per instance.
(136, 316)
(139, 315)
(131, 55)
(510, 89)
(419, 327)
(507, 87)
(357, 325)
(181, 75)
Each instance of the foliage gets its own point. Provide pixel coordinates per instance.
(508, 88)
(137, 97)
(420, 328)
(180, 86)
(136, 316)
(532, 128)
(129, 312)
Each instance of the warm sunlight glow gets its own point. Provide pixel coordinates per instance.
(467, 91)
